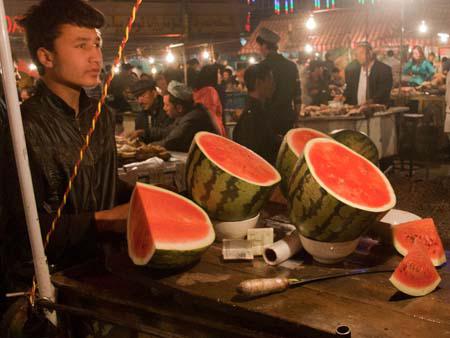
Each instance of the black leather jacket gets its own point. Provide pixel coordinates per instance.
(54, 136)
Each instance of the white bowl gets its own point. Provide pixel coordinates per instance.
(234, 230)
(327, 252)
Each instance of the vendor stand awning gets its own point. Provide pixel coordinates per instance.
(338, 28)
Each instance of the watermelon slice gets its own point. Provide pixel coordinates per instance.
(229, 181)
(416, 274)
(291, 150)
(335, 194)
(359, 142)
(422, 231)
(166, 230)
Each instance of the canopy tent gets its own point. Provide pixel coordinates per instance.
(380, 25)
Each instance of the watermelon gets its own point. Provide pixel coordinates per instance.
(291, 150)
(229, 181)
(416, 274)
(359, 142)
(166, 230)
(423, 231)
(336, 194)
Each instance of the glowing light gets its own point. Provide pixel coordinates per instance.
(116, 69)
(153, 70)
(151, 60)
(423, 28)
(32, 67)
(311, 23)
(443, 37)
(308, 48)
(251, 60)
(205, 55)
(170, 58)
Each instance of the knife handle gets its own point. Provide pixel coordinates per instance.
(262, 286)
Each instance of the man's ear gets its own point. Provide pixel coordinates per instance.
(45, 57)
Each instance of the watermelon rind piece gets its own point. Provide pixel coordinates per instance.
(223, 195)
(416, 266)
(359, 142)
(319, 213)
(288, 156)
(163, 254)
(424, 232)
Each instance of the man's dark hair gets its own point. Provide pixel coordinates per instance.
(270, 46)
(193, 62)
(228, 70)
(390, 53)
(336, 70)
(207, 77)
(314, 64)
(187, 105)
(43, 21)
(256, 72)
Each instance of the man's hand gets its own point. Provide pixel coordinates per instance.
(135, 134)
(114, 220)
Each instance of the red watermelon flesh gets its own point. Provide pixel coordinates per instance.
(163, 221)
(348, 176)
(421, 231)
(416, 274)
(299, 137)
(237, 160)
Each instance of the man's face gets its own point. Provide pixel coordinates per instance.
(226, 76)
(162, 84)
(169, 107)
(77, 59)
(361, 55)
(146, 99)
(263, 50)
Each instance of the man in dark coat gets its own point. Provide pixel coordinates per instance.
(254, 129)
(368, 80)
(189, 118)
(285, 103)
(152, 123)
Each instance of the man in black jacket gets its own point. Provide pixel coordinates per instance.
(65, 44)
(152, 122)
(189, 117)
(285, 103)
(368, 80)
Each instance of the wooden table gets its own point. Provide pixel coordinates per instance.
(202, 302)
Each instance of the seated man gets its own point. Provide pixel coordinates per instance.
(368, 80)
(253, 129)
(189, 117)
(152, 123)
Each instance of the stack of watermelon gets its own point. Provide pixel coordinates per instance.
(229, 181)
(422, 247)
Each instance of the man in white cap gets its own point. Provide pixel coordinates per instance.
(189, 117)
(285, 103)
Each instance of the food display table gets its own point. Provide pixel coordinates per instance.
(202, 301)
(382, 127)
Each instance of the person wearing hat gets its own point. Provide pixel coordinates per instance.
(119, 84)
(368, 80)
(151, 122)
(189, 118)
(286, 100)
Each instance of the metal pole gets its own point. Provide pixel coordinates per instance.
(46, 289)
(402, 32)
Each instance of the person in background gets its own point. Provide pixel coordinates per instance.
(228, 82)
(189, 118)
(368, 80)
(394, 63)
(119, 85)
(254, 129)
(337, 83)
(328, 64)
(145, 76)
(303, 72)
(26, 93)
(418, 68)
(432, 59)
(318, 84)
(152, 123)
(284, 106)
(193, 68)
(206, 93)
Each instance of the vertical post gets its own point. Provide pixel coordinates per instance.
(185, 17)
(402, 32)
(41, 269)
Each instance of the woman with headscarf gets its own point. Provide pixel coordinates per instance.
(418, 67)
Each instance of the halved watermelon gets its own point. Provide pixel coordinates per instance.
(359, 142)
(422, 231)
(416, 274)
(166, 230)
(335, 194)
(229, 181)
(291, 150)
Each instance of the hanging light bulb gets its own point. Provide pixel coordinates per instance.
(117, 69)
(205, 55)
(423, 28)
(311, 23)
(308, 48)
(443, 37)
(153, 70)
(170, 58)
(32, 67)
(251, 60)
(151, 60)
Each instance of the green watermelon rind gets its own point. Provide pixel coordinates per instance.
(165, 255)
(287, 158)
(208, 183)
(359, 142)
(320, 214)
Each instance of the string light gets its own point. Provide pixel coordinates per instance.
(286, 6)
(151, 60)
(423, 28)
(170, 58)
(251, 60)
(154, 70)
(311, 23)
(205, 55)
(32, 67)
(443, 37)
(308, 48)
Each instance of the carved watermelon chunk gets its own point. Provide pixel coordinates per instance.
(421, 231)
(166, 230)
(416, 274)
